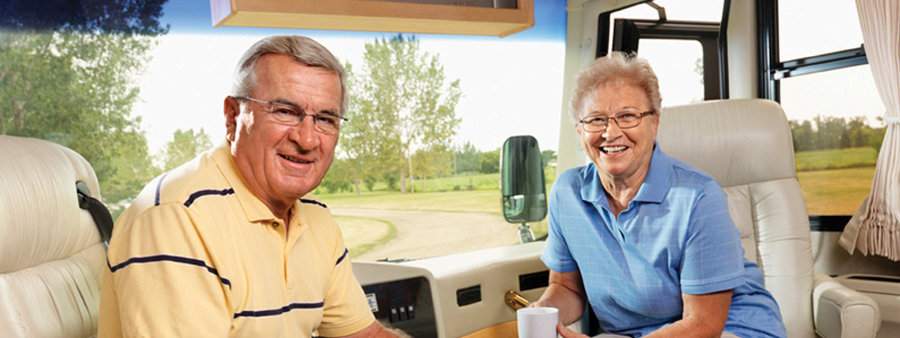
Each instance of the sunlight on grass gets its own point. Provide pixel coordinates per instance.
(364, 234)
(835, 192)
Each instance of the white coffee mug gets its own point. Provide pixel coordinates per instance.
(537, 322)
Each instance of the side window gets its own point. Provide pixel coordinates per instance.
(822, 80)
(679, 41)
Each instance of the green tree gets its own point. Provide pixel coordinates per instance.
(548, 156)
(433, 162)
(66, 75)
(338, 178)
(490, 162)
(184, 146)
(467, 159)
(401, 103)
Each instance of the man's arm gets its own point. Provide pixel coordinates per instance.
(565, 293)
(375, 330)
(162, 281)
(704, 316)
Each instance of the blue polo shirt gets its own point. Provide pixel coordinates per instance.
(674, 237)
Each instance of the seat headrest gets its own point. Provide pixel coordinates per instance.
(713, 135)
(40, 220)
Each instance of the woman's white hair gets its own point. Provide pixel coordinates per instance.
(616, 66)
(304, 50)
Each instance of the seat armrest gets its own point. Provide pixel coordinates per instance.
(841, 312)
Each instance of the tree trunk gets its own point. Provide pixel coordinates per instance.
(356, 184)
(412, 182)
(402, 183)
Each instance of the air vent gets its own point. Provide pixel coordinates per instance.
(469, 295)
(534, 280)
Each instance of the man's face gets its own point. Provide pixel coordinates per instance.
(281, 163)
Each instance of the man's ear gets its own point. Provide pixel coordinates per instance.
(232, 108)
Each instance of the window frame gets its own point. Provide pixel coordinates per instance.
(627, 33)
(772, 71)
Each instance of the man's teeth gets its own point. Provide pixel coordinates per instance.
(615, 149)
(293, 159)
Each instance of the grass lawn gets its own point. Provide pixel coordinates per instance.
(836, 159)
(464, 201)
(834, 192)
(364, 234)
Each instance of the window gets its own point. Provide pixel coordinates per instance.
(683, 50)
(154, 101)
(819, 73)
(836, 136)
(810, 27)
(679, 66)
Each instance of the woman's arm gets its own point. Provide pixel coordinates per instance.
(703, 316)
(564, 293)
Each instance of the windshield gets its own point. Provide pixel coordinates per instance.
(137, 89)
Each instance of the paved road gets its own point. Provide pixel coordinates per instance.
(435, 233)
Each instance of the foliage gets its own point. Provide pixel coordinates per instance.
(490, 161)
(467, 159)
(184, 146)
(827, 132)
(548, 156)
(401, 105)
(66, 75)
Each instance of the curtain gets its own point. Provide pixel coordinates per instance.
(875, 228)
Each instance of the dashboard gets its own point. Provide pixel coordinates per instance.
(455, 295)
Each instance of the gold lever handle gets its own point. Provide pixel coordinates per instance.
(515, 300)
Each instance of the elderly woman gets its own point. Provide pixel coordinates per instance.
(645, 238)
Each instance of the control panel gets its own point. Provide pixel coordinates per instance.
(404, 304)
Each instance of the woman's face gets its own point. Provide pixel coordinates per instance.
(619, 153)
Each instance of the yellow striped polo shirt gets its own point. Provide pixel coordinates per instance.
(198, 255)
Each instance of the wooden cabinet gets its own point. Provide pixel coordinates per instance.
(423, 16)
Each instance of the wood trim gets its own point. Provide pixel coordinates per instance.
(503, 330)
(373, 15)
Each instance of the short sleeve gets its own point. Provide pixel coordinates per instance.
(556, 254)
(163, 280)
(713, 256)
(346, 310)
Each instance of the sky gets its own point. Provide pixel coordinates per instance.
(511, 85)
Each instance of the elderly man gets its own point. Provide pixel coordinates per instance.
(224, 246)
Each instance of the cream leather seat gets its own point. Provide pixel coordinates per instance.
(50, 250)
(747, 146)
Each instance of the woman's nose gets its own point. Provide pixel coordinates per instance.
(612, 130)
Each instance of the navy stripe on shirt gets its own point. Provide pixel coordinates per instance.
(283, 309)
(158, 187)
(309, 201)
(344, 255)
(169, 258)
(197, 194)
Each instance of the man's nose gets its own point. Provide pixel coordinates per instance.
(305, 134)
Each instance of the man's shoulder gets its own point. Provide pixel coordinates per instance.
(177, 186)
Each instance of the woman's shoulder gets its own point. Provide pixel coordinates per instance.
(688, 176)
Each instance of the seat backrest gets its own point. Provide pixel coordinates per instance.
(746, 146)
(50, 250)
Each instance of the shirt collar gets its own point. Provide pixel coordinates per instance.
(254, 208)
(654, 188)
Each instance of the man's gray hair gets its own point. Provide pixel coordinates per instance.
(303, 49)
(616, 66)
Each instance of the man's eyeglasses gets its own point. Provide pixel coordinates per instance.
(625, 120)
(291, 115)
